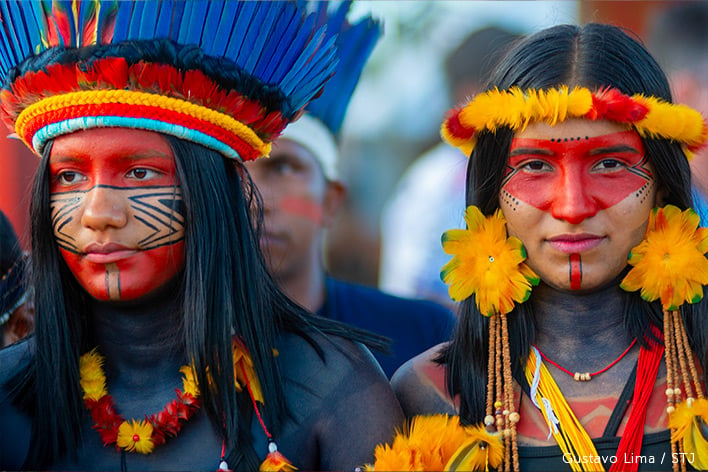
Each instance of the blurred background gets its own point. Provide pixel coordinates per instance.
(396, 110)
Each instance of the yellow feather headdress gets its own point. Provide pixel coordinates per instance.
(515, 108)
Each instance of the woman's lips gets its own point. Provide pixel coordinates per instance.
(574, 243)
(107, 253)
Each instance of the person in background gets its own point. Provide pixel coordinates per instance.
(16, 313)
(302, 192)
(429, 197)
(161, 342)
(677, 36)
(581, 272)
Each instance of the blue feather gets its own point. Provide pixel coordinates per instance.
(254, 30)
(270, 57)
(122, 25)
(193, 22)
(290, 80)
(134, 26)
(320, 65)
(7, 59)
(148, 22)
(21, 33)
(224, 30)
(263, 30)
(239, 30)
(177, 13)
(354, 46)
(301, 36)
(162, 30)
(208, 41)
(32, 12)
(14, 39)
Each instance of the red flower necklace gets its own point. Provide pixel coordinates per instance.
(135, 435)
(143, 435)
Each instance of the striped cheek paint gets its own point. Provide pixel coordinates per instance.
(576, 271)
(303, 207)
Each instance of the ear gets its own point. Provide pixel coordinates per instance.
(660, 198)
(334, 198)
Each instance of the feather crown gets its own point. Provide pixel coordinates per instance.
(515, 108)
(227, 75)
(355, 43)
(318, 129)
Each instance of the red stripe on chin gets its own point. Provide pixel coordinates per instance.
(576, 273)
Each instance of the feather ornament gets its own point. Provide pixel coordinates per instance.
(690, 425)
(355, 43)
(436, 442)
(275, 461)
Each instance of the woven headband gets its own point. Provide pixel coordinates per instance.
(515, 109)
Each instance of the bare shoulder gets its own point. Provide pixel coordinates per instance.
(420, 385)
(341, 402)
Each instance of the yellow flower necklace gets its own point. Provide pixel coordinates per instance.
(143, 436)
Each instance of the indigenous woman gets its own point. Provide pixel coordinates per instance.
(161, 342)
(581, 342)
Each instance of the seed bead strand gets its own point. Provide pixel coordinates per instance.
(512, 416)
(695, 379)
(489, 419)
(681, 354)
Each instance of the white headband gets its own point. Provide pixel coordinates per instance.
(312, 134)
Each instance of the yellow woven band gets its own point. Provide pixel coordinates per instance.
(139, 106)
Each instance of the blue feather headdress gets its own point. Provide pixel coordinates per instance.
(227, 75)
(319, 128)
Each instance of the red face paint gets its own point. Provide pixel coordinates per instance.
(576, 271)
(303, 207)
(117, 211)
(573, 178)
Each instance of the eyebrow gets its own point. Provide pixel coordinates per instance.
(128, 156)
(529, 150)
(613, 149)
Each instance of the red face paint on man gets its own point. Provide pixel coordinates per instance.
(116, 211)
(578, 195)
(299, 203)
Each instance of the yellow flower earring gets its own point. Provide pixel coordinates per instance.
(489, 264)
(670, 265)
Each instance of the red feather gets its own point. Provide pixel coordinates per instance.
(89, 31)
(457, 129)
(611, 104)
(63, 20)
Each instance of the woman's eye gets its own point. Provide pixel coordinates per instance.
(609, 164)
(536, 166)
(68, 177)
(141, 173)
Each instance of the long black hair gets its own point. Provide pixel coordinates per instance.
(593, 56)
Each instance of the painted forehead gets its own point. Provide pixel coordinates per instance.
(626, 141)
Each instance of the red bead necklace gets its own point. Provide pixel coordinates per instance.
(585, 376)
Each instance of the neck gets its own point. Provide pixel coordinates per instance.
(570, 323)
(305, 286)
(142, 334)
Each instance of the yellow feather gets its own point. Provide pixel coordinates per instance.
(690, 426)
(482, 451)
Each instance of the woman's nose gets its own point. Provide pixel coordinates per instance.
(572, 201)
(104, 207)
